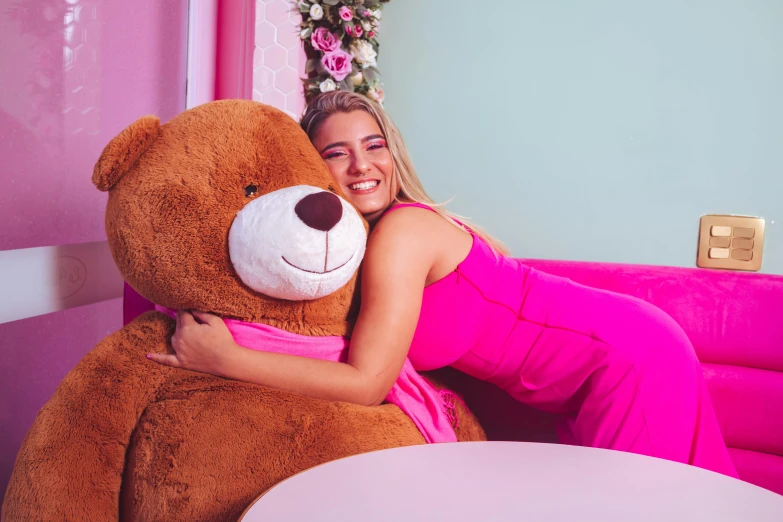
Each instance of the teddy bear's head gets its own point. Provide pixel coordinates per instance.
(228, 208)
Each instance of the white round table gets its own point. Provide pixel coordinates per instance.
(505, 481)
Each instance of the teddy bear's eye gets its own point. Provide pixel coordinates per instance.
(250, 190)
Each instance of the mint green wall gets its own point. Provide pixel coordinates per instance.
(598, 130)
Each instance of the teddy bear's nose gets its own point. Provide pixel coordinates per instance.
(321, 211)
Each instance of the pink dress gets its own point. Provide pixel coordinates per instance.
(620, 370)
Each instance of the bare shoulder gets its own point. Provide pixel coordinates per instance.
(418, 239)
(411, 225)
(403, 235)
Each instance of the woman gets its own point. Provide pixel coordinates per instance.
(443, 294)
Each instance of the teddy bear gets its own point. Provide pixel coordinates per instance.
(226, 209)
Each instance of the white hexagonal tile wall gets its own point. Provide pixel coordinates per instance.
(275, 57)
(277, 11)
(288, 35)
(277, 64)
(286, 83)
(260, 11)
(263, 79)
(293, 58)
(292, 100)
(265, 34)
(274, 98)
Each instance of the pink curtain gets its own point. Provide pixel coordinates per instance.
(235, 33)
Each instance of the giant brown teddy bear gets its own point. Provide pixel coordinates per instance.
(125, 438)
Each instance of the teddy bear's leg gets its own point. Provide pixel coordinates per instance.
(71, 462)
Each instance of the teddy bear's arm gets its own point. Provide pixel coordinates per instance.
(71, 462)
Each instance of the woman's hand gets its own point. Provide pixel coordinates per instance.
(201, 343)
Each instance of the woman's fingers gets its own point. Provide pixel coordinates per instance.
(207, 318)
(165, 358)
(185, 318)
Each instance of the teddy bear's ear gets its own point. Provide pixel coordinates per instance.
(123, 151)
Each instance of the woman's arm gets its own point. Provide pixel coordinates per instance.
(400, 252)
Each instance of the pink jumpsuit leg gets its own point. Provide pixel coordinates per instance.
(621, 370)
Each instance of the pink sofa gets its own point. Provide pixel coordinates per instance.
(735, 321)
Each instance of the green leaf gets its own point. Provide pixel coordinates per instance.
(331, 2)
(311, 65)
(371, 3)
(370, 74)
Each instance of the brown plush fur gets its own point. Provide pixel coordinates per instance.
(124, 150)
(125, 437)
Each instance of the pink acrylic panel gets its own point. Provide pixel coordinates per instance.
(74, 74)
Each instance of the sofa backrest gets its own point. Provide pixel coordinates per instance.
(735, 322)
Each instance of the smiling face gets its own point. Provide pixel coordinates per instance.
(355, 151)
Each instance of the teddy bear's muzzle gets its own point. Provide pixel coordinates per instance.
(297, 243)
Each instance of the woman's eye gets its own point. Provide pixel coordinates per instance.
(333, 155)
(250, 191)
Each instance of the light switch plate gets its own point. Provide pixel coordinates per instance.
(730, 242)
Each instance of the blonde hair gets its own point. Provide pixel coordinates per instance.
(410, 187)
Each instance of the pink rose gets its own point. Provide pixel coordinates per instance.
(348, 30)
(324, 41)
(376, 93)
(346, 13)
(358, 31)
(371, 34)
(338, 64)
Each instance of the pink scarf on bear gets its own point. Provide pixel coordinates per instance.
(431, 411)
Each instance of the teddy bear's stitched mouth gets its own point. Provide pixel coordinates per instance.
(313, 271)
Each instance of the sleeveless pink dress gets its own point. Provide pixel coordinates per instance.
(620, 370)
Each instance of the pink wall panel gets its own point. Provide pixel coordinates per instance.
(74, 73)
(278, 61)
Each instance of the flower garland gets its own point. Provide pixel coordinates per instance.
(340, 39)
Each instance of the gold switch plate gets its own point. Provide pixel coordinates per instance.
(730, 242)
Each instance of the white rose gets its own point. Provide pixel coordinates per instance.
(367, 26)
(357, 79)
(316, 12)
(327, 85)
(363, 53)
(375, 13)
(376, 93)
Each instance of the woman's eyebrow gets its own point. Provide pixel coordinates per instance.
(334, 145)
(345, 143)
